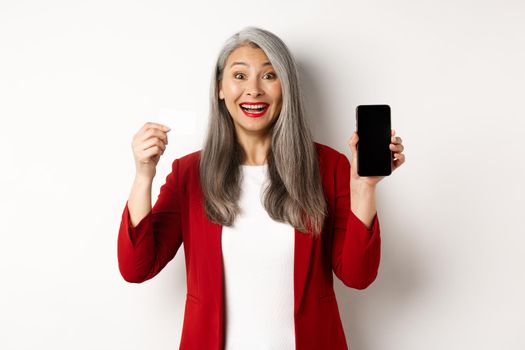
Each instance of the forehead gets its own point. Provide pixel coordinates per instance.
(247, 56)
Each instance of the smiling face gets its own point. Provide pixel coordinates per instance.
(249, 77)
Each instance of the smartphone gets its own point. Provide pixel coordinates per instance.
(373, 126)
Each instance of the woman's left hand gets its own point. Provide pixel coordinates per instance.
(371, 181)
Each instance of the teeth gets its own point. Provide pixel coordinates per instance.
(253, 106)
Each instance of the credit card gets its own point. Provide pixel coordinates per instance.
(181, 122)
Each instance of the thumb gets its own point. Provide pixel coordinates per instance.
(352, 142)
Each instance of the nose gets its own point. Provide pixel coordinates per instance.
(253, 88)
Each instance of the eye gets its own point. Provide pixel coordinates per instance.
(272, 74)
(237, 74)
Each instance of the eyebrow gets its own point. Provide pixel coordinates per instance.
(267, 63)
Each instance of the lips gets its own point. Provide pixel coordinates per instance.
(254, 113)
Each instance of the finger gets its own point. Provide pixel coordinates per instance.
(399, 159)
(152, 133)
(152, 151)
(149, 125)
(159, 126)
(396, 140)
(397, 147)
(352, 142)
(354, 137)
(155, 132)
(152, 143)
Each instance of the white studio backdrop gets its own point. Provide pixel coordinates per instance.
(79, 78)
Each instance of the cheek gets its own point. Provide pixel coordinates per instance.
(277, 92)
(231, 90)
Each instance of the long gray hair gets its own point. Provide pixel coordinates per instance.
(295, 193)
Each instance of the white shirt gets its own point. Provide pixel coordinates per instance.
(258, 256)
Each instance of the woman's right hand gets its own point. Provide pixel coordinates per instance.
(148, 145)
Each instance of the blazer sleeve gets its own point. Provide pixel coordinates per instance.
(144, 250)
(356, 249)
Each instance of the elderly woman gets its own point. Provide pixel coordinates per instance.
(264, 212)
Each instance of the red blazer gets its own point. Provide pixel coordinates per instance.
(346, 247)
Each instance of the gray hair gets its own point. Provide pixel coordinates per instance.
(295, 193)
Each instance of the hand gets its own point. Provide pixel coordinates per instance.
(371, 181)
(148, 145)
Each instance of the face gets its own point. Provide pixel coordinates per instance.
(250, 78)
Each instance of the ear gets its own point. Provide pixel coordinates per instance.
(221, 94)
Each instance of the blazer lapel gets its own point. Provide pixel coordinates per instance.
(215, 263)
(302, 254)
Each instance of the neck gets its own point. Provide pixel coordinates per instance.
(255, 148)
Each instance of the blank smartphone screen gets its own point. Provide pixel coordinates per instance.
(374, 157)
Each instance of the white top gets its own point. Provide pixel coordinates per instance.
(258, 255)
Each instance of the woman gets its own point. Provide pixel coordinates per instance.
(264, 212)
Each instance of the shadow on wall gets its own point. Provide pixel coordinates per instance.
(316, 112)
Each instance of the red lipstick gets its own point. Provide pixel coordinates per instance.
(254, 113)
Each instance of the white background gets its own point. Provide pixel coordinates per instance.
(79, 78)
